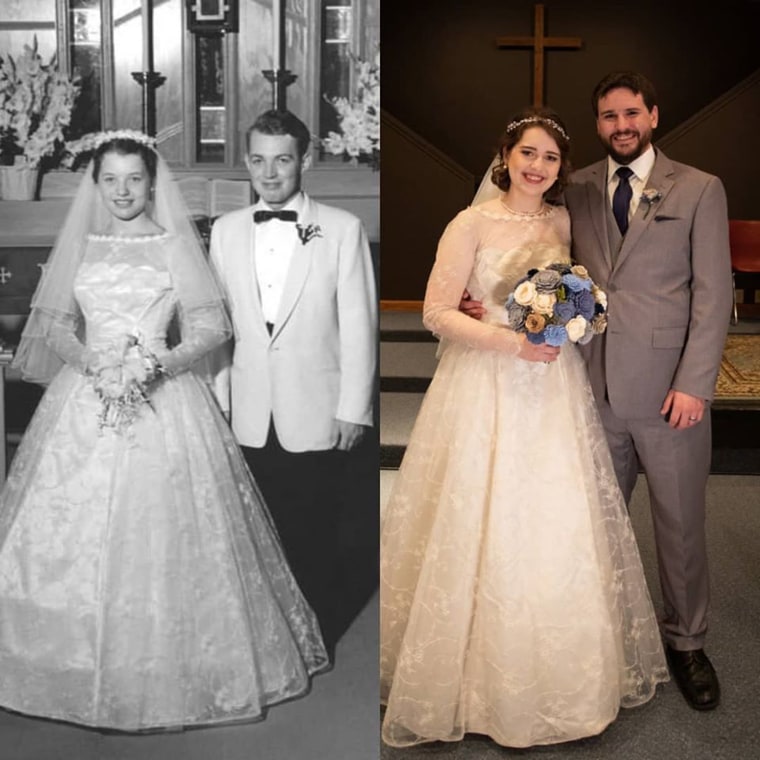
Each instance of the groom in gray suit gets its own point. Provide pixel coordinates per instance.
(300, 390)
(653, 234)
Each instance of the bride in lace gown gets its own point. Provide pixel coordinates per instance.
(142, 584)
(513, 600)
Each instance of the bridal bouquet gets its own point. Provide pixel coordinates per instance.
(557, 303)
(121, 378)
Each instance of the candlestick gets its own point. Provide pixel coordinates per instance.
(147, 34)
(276, 28)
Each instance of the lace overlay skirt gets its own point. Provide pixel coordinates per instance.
(513, 601)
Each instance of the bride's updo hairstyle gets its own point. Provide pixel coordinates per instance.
(552, 124)
(124, 146)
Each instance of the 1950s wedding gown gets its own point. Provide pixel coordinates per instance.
(142, 584)
(513, 601)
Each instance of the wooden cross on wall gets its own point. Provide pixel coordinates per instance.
(539, 43)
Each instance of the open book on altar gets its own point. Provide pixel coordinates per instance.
(208, 197)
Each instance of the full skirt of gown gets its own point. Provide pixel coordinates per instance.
(513, 600)
(142, 583)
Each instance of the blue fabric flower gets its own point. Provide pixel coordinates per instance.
(576, 283)
(555, 335)
(535, 338)
(585, 303)
(564, 311)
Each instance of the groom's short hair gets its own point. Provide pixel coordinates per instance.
(276, 122)
(630, 80)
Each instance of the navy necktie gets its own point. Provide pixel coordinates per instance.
(265, 216)
(621, 198)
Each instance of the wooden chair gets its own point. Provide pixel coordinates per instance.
(744, 238)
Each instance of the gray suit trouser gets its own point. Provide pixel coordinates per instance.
(676, 464)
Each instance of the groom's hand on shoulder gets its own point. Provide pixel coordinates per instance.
(472, 308)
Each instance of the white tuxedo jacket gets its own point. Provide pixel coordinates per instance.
(319, 364)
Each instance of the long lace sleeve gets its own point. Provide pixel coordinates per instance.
(203, 329)
(203, 321)
(448, 279)
(62, 338)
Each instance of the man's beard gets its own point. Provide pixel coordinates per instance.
(644, 141)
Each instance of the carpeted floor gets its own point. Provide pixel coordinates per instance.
(739, 376)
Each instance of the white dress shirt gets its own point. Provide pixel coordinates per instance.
(641, 168)
(275, 242)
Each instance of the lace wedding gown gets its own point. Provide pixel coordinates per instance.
(142, 584)
(513, 601)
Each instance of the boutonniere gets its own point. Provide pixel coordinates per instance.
(650, 196)
(306, 233)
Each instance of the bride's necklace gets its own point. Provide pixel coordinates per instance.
(522, 213)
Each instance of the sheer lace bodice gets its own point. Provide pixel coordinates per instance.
(487, 249)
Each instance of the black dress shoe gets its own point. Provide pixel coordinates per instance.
(696, 677)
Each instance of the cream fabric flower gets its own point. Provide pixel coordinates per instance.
(525, 293)
(543, 303)
(576, 328)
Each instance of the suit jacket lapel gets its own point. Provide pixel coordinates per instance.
(249, 273)
(597, 201)
(299, 268)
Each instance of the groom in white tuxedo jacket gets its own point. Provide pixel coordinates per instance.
(300, 388)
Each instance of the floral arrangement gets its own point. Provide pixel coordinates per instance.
(36, 101)
(121, 378)
(359, 136)
(305, 234)
(557, 303)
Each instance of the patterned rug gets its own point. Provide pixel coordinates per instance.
(739, 376)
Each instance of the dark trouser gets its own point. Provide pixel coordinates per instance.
(305, 493)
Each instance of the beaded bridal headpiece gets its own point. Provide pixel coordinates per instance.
(537, 120)
(94, 140)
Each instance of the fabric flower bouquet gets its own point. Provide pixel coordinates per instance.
(557, 303)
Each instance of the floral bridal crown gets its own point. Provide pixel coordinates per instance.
(94, 140)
